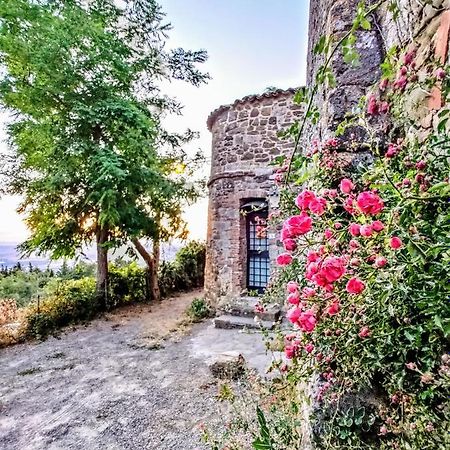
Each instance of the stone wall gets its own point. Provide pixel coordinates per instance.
(426, 22)
(244, 143)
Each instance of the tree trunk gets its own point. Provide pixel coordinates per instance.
(102, 268)
(152, 268)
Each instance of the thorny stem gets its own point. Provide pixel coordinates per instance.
(316, 87)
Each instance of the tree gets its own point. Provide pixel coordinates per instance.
(89, 153)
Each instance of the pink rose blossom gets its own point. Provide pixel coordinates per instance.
(354, 229)
(307, 321)
(332, 193)
(355, 262)
(337, 225)
(391, 151)
(293, 314)
(289, 244)
(328, 233)
(291, 351)
(346, 186)
(395, 243)
(292, 287)
(308, 292)
(285, 233)
(372, 106)
(408, 58)
(311, 269)
(420, 165)
(333, 309)
(380, 261)
(384, 107)
(313, 256)
(366, 230)
(309, 347)
(318, 206)
(354, 244)
(401, 82)
(304, 199)
(355, 286)
(284, 259)
(384, 84)
(298, 225)
(377, 226)
(332, 268)
(293, 298)
(364, 332)
(370, 203)
(349, 205)
(440, 73)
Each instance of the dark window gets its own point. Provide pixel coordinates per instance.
(258, 264)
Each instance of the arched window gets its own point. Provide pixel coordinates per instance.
(258, 263)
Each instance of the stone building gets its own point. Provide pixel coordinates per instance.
(244, 134)
(242, 191)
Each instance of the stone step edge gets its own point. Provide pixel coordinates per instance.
(228, 321)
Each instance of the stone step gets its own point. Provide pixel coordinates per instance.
(245, 307)
(228, 322)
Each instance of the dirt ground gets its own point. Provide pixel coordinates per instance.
(126, 381)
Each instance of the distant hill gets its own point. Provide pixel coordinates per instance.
(9, 256)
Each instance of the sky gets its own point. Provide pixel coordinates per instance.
(252, 45)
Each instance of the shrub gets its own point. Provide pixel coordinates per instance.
(198, 310)
(73, 301)
(186, 271)
(127, 284)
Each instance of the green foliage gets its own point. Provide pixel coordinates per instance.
(88, 152)
(186, 271)
(127, 284)
(73, 301)
(199, 310)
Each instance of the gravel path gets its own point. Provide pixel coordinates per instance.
(109, 386)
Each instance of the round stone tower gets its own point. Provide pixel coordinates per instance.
(242, 191)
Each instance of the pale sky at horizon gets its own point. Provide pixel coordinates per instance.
(252, 44)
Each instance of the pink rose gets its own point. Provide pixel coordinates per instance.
(332, 268)
(337, 225)
(311, 269)
(391, 151)
(354, 229)
(372, 106)
(304, 199)
(292, 350)
(349, 205)
(395, 243)
(384, 107)
(298, 225)
(370, 203)
(289, 244)
(408, 57)
(384, 84)
(440, 73)
(328, 233)
(293, 314)
(313, 256)
(318, 206)
(377, 226)
(420, 165)
(401, 82)
(364, 332)
(346, 186)
(309, 347)
(307, 321)
(380, 261)
(285, 233)
(333, 309)
(284, 259)
(308, 292)
(292, 287)
(355, 286)
(293, 298)
(332, 193)
(354, 244)
(355, 262)
(366, 230)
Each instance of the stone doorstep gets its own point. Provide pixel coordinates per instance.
(229, 322)
(245, 307)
